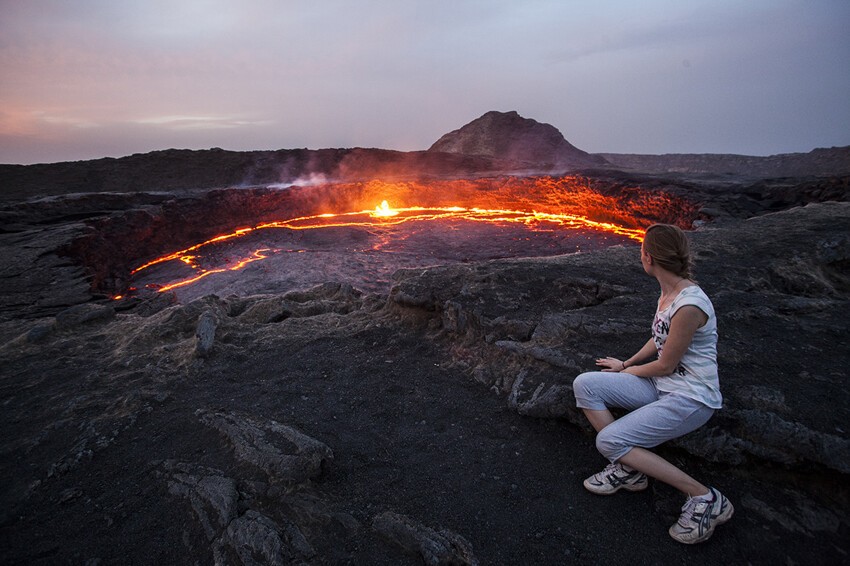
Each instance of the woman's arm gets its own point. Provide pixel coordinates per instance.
(683, 325)
(613, 364)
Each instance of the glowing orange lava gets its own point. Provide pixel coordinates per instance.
(539, 204)
(381, 215)
(256, 256)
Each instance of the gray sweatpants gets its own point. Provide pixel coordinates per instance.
(654, 416)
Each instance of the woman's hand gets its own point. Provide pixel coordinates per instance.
(610, 364)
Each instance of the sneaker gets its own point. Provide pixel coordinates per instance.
(614, 478)
(700, 516)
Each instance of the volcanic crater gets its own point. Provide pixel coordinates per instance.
(260, 239)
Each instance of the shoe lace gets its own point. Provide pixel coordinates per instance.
(609, 469)
(688, 510)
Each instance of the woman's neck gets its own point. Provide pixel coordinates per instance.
(670, 283)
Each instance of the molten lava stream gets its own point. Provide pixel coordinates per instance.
(347, 242)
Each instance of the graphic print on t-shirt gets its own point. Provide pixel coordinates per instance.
(660, 331)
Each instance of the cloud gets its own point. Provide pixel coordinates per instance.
(198, 122)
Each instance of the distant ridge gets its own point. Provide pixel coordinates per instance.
(818, 162)
(184, 169)
(510, 137)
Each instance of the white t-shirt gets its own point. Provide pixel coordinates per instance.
(696, 375)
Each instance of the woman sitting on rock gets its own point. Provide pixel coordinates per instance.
(670, 388)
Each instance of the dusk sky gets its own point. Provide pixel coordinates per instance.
(89, 79)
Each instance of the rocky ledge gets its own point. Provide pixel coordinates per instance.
(780, 286)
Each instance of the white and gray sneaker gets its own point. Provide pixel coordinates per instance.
(614, 478)
(700, 515)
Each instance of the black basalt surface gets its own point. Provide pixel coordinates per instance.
(431, 423)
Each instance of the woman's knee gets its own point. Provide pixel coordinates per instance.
(589, 388)
(610, 444)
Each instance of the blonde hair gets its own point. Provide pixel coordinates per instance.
(668, 246)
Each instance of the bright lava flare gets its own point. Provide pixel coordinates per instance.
(384, 210)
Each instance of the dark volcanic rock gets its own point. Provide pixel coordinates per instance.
(449, 404)
(84, 313)
(435, 547)
(510, 137)
(283, 453)
(205, 333)
(214, 497)
(253, 538)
